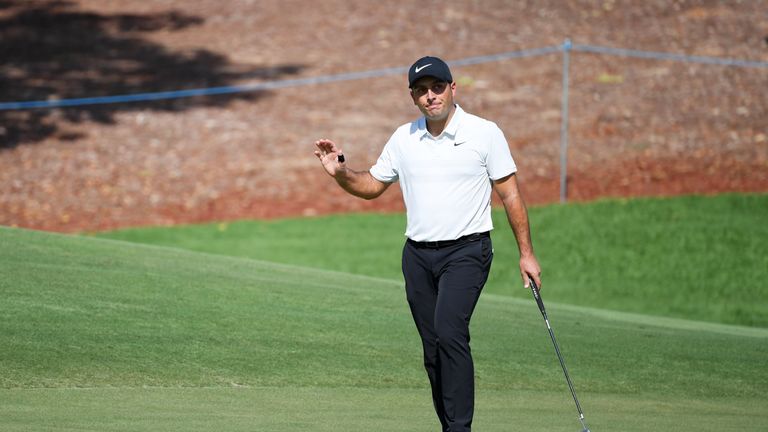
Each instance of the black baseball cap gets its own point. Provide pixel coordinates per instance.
(429, 66)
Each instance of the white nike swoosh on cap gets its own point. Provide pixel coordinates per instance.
(419, 69)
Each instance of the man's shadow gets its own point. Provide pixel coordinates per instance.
(52, 50)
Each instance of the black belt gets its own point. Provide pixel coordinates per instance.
(445, 243)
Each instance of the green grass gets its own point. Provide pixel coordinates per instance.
(105, 335)
(695, 257)
(357, 409)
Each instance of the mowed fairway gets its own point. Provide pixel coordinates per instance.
(694, 257)
(112, 336)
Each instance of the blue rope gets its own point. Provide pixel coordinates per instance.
(506, 56)
(376, 73)
(669, 56)
(143, 97)
(270, 85)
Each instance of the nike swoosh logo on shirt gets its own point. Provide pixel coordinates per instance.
(458, 143)
(419, 69)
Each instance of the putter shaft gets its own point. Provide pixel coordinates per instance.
(543, 310)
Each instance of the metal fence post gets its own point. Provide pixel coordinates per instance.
(566, 47)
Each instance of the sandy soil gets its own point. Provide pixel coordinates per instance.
(637, 126)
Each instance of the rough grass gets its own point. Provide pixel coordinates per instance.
(695, 257)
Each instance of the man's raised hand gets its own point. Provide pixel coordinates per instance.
(330, 156)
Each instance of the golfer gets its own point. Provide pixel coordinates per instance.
(447, 163)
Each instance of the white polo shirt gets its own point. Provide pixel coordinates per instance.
(446, 180)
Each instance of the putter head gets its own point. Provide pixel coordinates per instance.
(583, 424)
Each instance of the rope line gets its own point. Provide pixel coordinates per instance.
(376, 73)
(669, 56)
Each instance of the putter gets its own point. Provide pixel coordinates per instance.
(540, 302)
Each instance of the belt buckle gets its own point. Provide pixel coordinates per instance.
(432, 244)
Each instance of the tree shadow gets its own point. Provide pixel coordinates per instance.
(52, 50)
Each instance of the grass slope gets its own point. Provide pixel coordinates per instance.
(703, 258)
(106, 335)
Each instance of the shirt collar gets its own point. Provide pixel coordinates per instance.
(450, 129)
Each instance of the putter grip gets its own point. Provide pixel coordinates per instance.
(537, 296)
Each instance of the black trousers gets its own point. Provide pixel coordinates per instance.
(443, 284)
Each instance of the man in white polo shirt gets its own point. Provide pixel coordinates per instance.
(448, 162)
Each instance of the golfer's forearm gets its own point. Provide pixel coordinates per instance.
(517, 214)
(360, 183)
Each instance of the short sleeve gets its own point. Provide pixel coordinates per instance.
(499, 163)
(385, 168)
